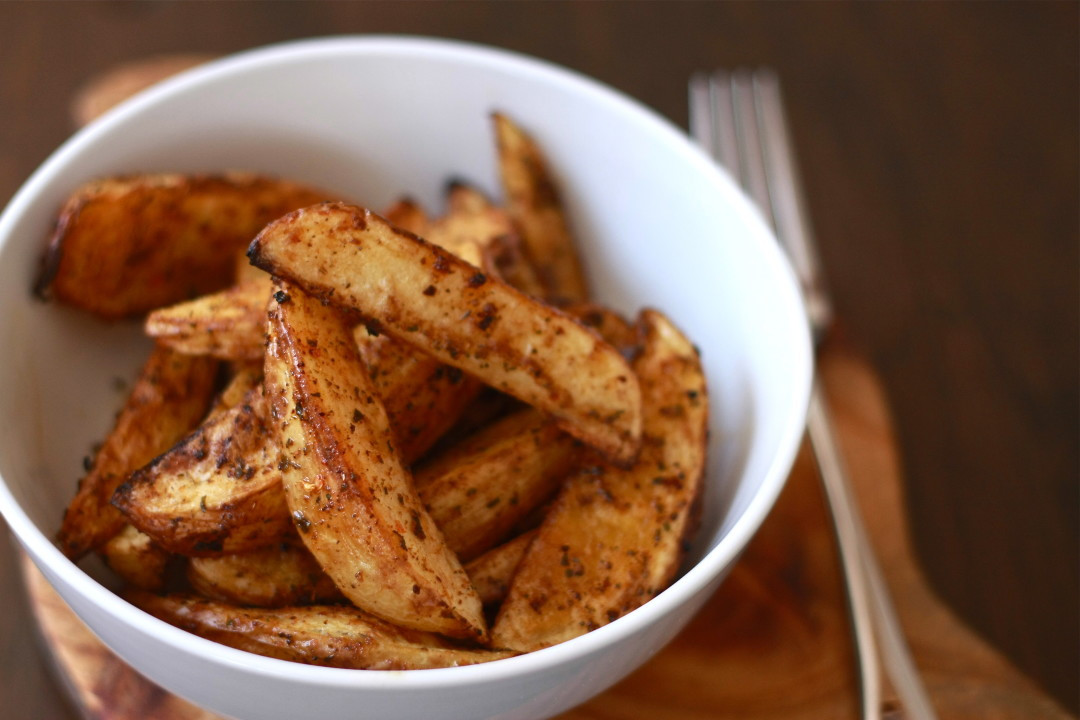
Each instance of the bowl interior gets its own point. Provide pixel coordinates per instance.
(377, 118)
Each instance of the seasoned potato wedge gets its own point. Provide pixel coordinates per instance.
(469, 230)
(407, 214)
(136, 558)
(125, 246)
(482, 490)
(423, 397)
(611, 326)
(277, 576)
(335, 635)
(288, 574)
(246, 377)
(350, 496)
(463, 197)
(169, 397)
(229, 325)
(446, 308)
(509, 263)
(217, 491)
(492, 572)
(533, 202)
(615, 538)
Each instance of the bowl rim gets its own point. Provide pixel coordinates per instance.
(707, 570)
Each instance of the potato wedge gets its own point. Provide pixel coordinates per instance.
(217, 491)
(407, 214)
(247, 376)
(480, 491)
(423, 397)
(335, 636)
(615, 538)
(277, 576)
(446, 308)
(463, 197)
(349, 494)
(610, 325)
(509, 263)
(124, 246)
(136, 558)
(169, 397)
(288, 574)
(532, 200)
(228, 325)
(471, 214)
(469, 232)
(492, 572)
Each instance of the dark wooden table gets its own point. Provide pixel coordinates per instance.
(939, 145)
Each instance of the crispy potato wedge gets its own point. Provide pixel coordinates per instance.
(335, 636)
(228, 325)
(246, 377)
(124, 246)
(217, 491)
(423, 397)
(463, 197)
(469, 232)
(471, 216)
(244, 271)
(136, 558)
(446, 308)
(477, 492)
(615, 538)
(610, 325)
(492, 572)
(532, 200)
(509, 263)
(407, 214)
(288, 574)
(350, 496)
(277, 576)
(169, 397)
(482, 490)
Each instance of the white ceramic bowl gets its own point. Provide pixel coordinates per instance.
(372, 118)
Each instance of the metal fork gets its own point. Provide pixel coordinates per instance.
(739, 119)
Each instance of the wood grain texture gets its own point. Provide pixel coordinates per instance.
(772, 643)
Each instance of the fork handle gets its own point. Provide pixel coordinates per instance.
(845, 522)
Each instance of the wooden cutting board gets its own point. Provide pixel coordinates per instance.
(773, 642)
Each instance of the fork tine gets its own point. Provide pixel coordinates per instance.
(788, 206)
(728, 147)
(701, 113)
(752, 169)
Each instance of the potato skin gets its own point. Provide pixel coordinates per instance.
(278, 576)
(217, 491)
(329, 635)
(433, 300)
(136, 558)
(492, 572)
(350, 496)
(168, 398)
(614, 538)
(481, 490)
(532, 201)
(228, 325)
(124, 246)
(423, 397)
